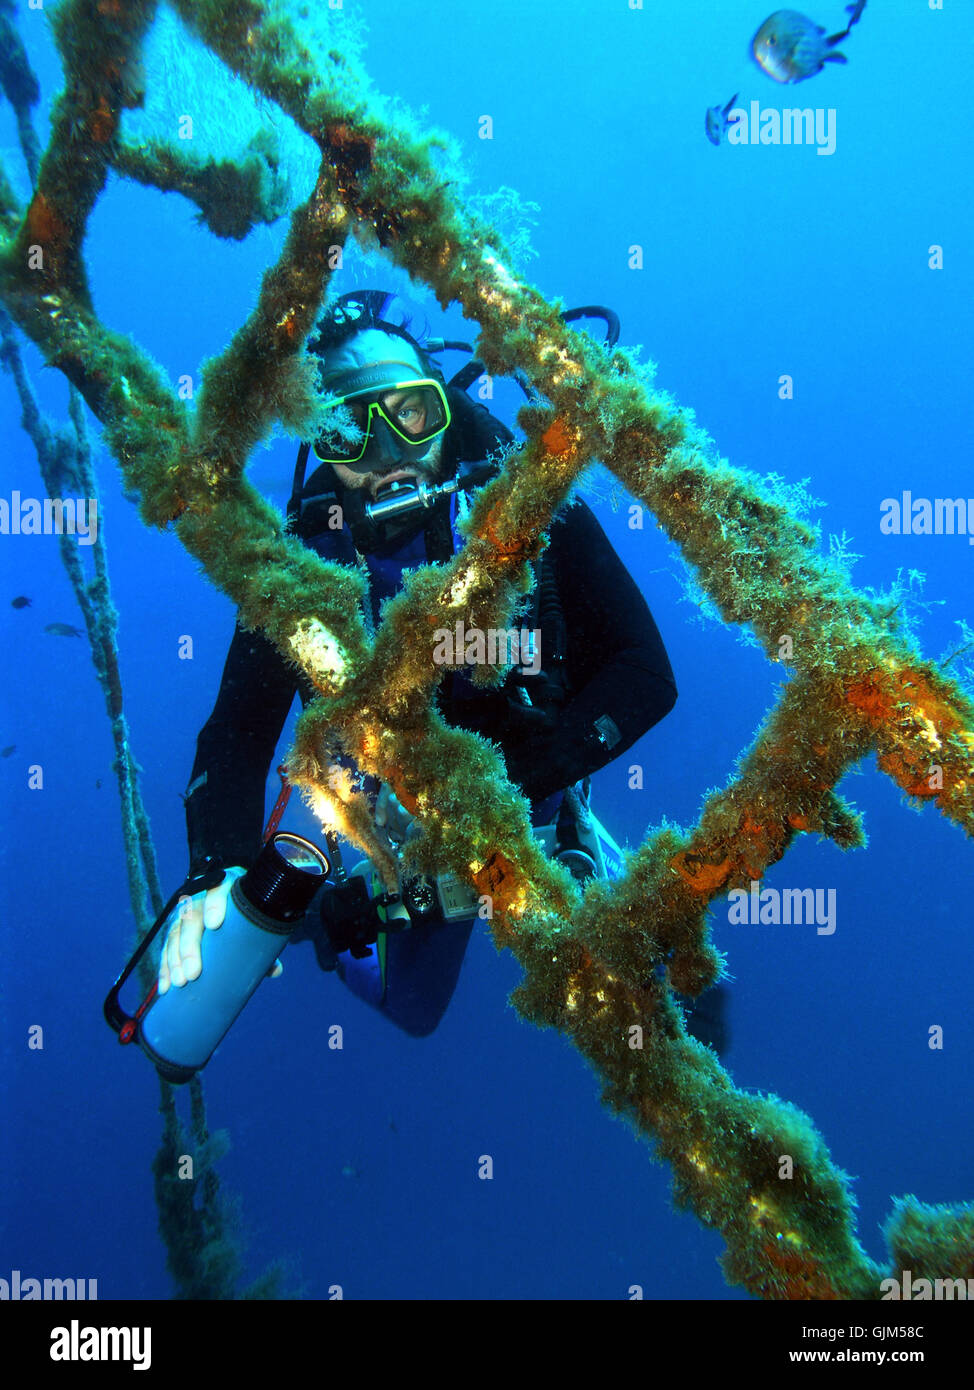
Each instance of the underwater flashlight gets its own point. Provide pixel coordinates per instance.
(180, 1029)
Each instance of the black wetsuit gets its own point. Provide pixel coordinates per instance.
(605, 676)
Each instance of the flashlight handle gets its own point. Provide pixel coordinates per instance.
(208, 876)
(183, 1027)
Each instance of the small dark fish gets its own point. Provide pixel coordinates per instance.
(719, 120)
(6, 752)
(21, 601)
(63, 630)
(97, 784)
(790, 47)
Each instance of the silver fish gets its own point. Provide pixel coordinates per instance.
(719, 120)
(790, 47)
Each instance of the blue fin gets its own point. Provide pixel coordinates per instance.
(835, 58)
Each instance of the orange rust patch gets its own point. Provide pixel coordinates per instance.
(798, 1275)
(702, 878)
(556, 438)
(43, 221)
(287, 324)
(101, 122)
(749, 824)
(489, 532)
(906, 777)
(865, 695)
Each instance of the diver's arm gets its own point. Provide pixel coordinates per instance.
(621, 675)
(225, 799)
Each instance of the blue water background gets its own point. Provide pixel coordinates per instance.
(360, 1166)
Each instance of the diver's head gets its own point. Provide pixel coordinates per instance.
(385, 397)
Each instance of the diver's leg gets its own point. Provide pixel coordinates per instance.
(362, 976)
(411, 975)
(422, 965)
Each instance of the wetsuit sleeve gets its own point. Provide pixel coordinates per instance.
(225, 799)
(619, 673)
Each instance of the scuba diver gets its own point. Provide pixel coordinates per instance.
(406, 448)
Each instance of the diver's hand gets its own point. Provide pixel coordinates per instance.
(181, 960)
(391, 815)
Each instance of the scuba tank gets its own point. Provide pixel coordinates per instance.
(180, 1030)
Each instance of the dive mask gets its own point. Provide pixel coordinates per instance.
(376, 398)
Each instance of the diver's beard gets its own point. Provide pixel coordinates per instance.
(427, 469)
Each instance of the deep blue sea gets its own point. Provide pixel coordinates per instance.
(359, 1168)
